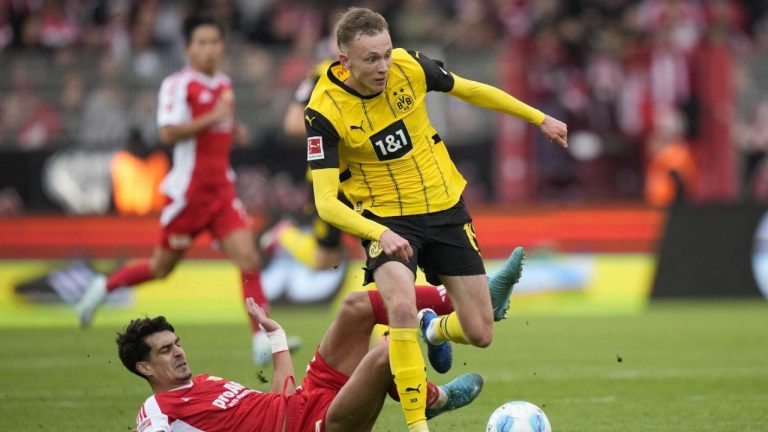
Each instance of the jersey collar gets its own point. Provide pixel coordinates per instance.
(340, 83)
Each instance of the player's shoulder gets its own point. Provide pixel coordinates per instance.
(327, 96)
(408, 60)
(179, 78)
(402, 55)
(223, 79)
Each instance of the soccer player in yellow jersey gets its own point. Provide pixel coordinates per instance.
(368, 129)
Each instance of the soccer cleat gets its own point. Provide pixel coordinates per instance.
(262, 348)
(461, 392)
(440, 355)
(92, 298)
(500, 285)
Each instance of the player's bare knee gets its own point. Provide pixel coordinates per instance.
(357, 306)
(481, 337)
(247, 261)
(403, 312)
(160, 271)
(381, 359)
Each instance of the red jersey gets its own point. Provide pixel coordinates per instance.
(212, 404)
(200, 164)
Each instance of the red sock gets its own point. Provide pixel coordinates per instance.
(129, 275)
(252, 288)
(426, 297)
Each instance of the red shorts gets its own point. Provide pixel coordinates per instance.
(218, 214)
(305, 410)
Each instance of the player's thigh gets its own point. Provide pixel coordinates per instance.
(347, 339)
(452, 250)
(395, 282)
(360, 400)
(472, 304)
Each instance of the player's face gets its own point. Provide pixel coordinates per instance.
(368, 59)
(205, 49)
(167, 365)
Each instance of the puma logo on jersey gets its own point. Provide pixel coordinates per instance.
(355, 127)
(411, 389)
(309, 119)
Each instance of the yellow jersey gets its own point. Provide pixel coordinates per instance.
(392, 162)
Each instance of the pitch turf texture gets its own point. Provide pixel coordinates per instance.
(679, 366)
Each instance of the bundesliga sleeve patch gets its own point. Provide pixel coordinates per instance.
(315, 148)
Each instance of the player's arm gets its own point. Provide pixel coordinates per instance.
(151, 419)
(487, 96)
(282, 366)
(173, 116)
(293, 122)
(323, 158)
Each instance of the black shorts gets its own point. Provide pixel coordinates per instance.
(443, 243)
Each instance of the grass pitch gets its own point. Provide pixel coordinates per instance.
(679, 366)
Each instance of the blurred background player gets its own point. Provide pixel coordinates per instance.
(196, 116)
(367, 124)
(322, 247)
(343, 390)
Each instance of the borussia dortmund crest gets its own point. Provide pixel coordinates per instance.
(402, 100)
(374, 249)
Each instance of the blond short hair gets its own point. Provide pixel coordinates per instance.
(356, 22)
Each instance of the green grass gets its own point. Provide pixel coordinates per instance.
(680, 366)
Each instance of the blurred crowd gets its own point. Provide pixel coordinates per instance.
(622, 73)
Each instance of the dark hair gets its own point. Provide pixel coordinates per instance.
(193, 22)
(131, 344)
(359, 21)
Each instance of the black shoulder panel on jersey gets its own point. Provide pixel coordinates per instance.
(322, 152)
(317, 124)
(438, 78)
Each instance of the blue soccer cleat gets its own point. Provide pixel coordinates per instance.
(440, 355)
(461, 392)
(500, 285)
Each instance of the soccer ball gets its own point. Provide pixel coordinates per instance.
(518, 416)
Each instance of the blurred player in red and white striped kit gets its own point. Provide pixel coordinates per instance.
(195, 115)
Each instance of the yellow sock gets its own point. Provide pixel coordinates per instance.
(449, 329)
(407, 364)
(301, 245)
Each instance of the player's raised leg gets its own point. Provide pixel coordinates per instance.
(470, 324)
(161, 264)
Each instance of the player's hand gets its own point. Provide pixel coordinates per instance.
(225, 107)
(240, 135)
(260, 315)
(395, 246)
(555, 131)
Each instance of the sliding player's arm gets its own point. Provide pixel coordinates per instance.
(283, 381)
